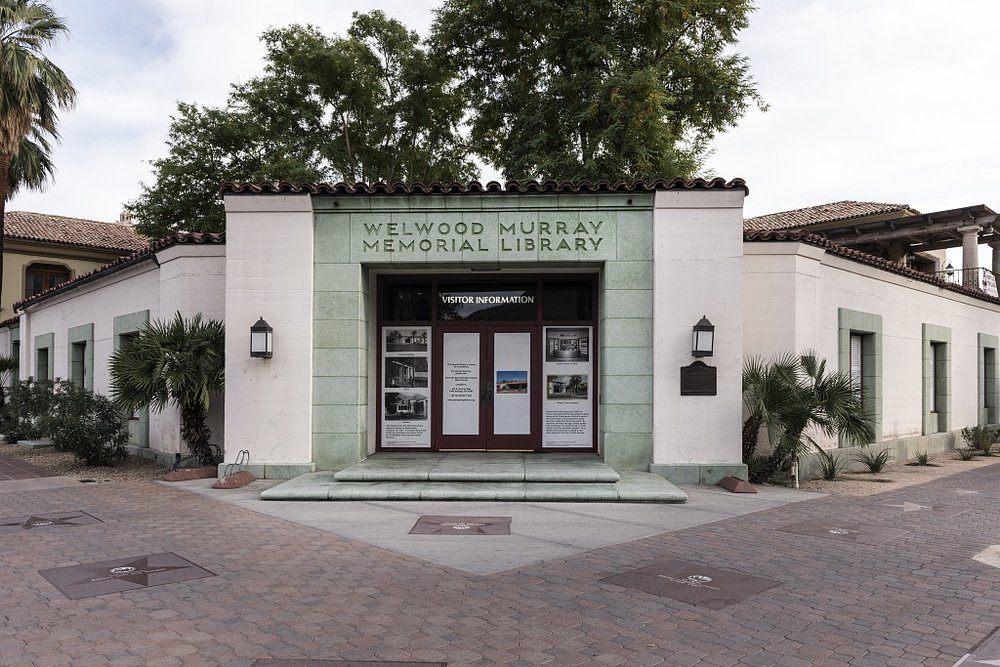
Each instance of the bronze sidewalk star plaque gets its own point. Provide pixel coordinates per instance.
(695, 584)
(462, 525)
(53, 519)
(122, 574)
(283, 662)
(850, 531)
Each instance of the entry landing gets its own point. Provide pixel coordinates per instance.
(480, 476)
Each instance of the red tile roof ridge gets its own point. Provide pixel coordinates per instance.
(802, 236)
(847, 209)
(492, 187)
(66, 230)
(176, 238)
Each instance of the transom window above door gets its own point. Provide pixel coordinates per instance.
(514, 300)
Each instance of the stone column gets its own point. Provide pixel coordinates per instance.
(970, 255)
(995, 246)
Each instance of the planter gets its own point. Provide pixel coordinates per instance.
(185, 474)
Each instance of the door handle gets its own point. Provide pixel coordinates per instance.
(486, 393)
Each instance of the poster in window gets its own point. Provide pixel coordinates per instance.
(406, 390)
(568, 406)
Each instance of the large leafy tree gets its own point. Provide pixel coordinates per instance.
(369, 106)
(180, 362)
(32, 92)
(794, 396)
(589, 89)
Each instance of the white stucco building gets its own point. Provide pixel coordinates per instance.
(534, 318)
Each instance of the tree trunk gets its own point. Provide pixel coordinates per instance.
(6, 309)
(196, 434)
(751, 429)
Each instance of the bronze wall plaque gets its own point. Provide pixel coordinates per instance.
(699, 379)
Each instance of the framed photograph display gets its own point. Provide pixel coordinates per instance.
(406, 387)
(568, 408)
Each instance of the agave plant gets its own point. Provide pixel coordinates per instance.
(181, 362)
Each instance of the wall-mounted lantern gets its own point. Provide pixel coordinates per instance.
(260, 339)
(703, 338)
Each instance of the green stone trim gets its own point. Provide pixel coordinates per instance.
(15, 351)
(129, 323)
(347, 229)
(45, 342)
(270, 470)
(869, 325)
(936, 422)
(698, 473)
(82, 334)
(138, 422)
(986, 375)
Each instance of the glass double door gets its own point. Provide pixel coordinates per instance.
(487, 383)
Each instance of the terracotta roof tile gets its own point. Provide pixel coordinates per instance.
(511, 187)
(813, 215)
(801, 236)
(26, 226)
(123, 262)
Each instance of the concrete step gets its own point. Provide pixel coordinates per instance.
(635, 487)
(479, 467)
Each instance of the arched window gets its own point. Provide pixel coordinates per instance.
(40, 277)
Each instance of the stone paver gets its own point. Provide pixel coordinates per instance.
(11, 468)
(285, 590)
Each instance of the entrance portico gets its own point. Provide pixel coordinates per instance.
(534, 318)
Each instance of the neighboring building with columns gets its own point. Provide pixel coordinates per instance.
(862, 285)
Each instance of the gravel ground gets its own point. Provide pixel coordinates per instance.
(134, 468)
(896, 475)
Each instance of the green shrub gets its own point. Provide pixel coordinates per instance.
(966, 454)
(23, 415)
(87, 425)
(874, 461)
(922, 458)
(758, 471)
(981, 438)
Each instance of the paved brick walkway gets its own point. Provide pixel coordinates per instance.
(11, 468)
(283, 590)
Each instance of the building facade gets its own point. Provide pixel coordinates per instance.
(544, 318)
(42, 251)
(71, 330)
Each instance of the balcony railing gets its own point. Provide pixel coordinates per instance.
(974, 278)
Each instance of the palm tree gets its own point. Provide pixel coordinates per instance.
(8, 366)
(793, 396)
(181, 362)
(32, 90)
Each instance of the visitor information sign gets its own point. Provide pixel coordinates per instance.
(460, 412)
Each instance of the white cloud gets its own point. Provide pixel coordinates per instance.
(893, 100)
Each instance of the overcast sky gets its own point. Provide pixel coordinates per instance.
(889, 100)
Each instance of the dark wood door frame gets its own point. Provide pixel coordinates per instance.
(486, 439)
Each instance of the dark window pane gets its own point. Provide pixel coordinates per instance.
(487, 301)
(406, 303)
(567, 301)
